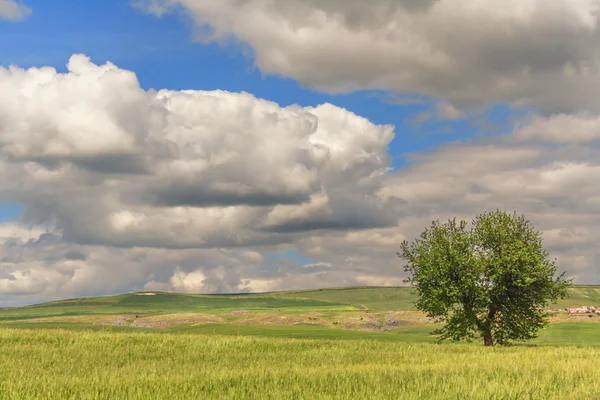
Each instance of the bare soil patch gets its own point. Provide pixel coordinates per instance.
(240, 312)
(272, 319)
(140, 321)
(563, 316)
(359, 320)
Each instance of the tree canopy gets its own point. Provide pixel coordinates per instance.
(489, 280)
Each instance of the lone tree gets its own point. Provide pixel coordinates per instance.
(492, 280)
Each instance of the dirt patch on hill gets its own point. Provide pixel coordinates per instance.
(239, 312)
(359, 320)
(118, 321)
(382, 321)
(166, 321)
(564, 317)
(315, 314)
(102, 319)
(272, 319)
(140, 321)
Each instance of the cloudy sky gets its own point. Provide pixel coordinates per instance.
(256, 145)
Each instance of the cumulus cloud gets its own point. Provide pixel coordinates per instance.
(109, 163)
(126, 189)
(36, 266)
(448, 111)
(561, 129)
(33, 269)
(13, 10)
(440, 111)
(529, 53)
(556, 187)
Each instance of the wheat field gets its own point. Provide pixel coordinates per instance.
(53, 364)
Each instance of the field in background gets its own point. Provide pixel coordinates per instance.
(367, 309)
(378, 313)
(336, 299)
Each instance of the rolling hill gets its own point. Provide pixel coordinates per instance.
(373, 299)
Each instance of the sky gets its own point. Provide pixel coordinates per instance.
(257, 145)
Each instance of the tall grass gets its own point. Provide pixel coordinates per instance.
(58, 364)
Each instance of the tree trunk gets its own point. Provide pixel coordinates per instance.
(487, 338)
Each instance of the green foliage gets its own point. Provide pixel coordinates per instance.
(491, 280)
(59, 364)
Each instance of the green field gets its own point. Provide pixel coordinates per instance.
(340, 299)
(62, 364)
(382, 313)
(332, 343)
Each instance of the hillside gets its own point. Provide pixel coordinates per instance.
(339, 299)
(335, 299)
(581, 295)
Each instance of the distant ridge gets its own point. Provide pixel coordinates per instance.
(372, 297)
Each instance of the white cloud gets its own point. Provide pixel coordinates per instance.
(253, 256)
(260, 285)
(122, 166)
(188, 282)
(19, 233)
(13, 10)
(555, 187)
(188, 190)
(561, 129)
(527, 52)
(446, 110)
(319, 265)
(47, 268)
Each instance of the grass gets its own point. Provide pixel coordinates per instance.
(370, 298)
(357, 298)
(560, 334)
(62, 364)
(569, 333)
(347, 343)
(305, 331)
(581, 296)
(575, 334)
(328, 313)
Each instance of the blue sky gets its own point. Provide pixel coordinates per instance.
(163, 54)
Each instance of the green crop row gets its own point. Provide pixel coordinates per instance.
(60, 364)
